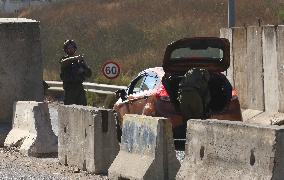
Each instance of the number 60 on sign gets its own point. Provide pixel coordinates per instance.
(111, 70)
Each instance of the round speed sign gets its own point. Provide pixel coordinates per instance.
(111, 70)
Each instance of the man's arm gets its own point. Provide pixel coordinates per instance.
(87, 72)
(69, 60)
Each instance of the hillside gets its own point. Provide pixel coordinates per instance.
(134, 32)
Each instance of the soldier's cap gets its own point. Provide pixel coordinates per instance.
(69, 42)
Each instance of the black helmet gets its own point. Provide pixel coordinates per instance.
(69, 42)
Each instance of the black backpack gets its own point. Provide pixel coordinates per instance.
(195, 81)
(220, 90)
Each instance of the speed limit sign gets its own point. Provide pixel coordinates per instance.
(111, 70)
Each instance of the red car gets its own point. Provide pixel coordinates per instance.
(154, 91)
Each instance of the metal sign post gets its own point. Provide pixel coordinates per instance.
(231, 13)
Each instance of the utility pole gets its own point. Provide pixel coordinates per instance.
(231, 13)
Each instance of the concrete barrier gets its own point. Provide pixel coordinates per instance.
(265, 118)
(32, 132)
(146, 150)
(246, 54)
(280, 65)
(270, 69)
(254, 74)
(232, 150)
(248, 114)
(239, 45)
(87, 138)
(21, 59)
(257, 66)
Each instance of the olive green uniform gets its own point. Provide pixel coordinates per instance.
(193, 95)
(73, 73)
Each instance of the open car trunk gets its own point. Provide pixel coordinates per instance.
(210, 53)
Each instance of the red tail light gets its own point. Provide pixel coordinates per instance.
(163, 94)
(234, 92)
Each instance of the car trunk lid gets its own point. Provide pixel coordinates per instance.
(211, 53)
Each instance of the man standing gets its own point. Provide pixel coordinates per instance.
(73, 73)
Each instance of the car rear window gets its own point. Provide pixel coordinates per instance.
(187, 52)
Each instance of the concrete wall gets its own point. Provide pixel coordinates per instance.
(87, 138)
(232, 150)
(21, 64)
(257, 66)
(32, 133)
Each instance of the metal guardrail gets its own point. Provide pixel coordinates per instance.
(91, 87)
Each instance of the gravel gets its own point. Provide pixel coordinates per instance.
(180, 156)
(14, 165)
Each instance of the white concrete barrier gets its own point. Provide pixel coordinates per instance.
(32, 132)
(21, 59)
(263, 118)
(146, 150)
(232, 150)
(257, 64)
(87, 138)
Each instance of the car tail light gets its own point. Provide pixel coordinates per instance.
(234, 92)
(163, 94)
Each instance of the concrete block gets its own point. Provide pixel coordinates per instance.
(280, 65)
(271, 90)
(267, 118)
(249, 114)
(146, 150)
(87, 138)
(240, 67)
(254, 71)
(32, 132)
(232, 150)
(21, 64)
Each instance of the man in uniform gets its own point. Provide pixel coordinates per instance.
(73, 73)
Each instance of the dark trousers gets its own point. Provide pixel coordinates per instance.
(75, 94)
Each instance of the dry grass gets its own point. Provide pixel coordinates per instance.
(135, 32)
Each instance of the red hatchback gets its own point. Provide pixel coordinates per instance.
(154, 91)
